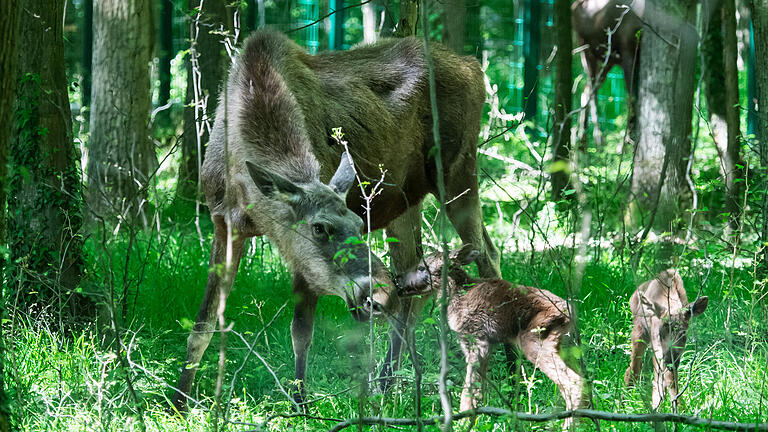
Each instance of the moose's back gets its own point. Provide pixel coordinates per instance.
(282, 105)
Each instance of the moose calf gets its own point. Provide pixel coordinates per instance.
(662, 315)
(494, 311)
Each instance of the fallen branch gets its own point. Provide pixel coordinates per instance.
(579, 413)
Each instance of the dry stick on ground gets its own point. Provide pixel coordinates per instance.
(580, 413)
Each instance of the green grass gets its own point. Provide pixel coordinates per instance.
(68, 383)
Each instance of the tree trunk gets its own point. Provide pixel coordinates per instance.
(166, 52)
(661, 196)
(531, 43)
(760, 28)
(369, 22)
(561, 130)
(474, 37)
(202, 90)
(87, 51)
(44, 207)
(409, 14)
(454, 27)
(713, 70)
(336, 32)
(121, 159)
(751, 86)
(732, 161)
(9, 27)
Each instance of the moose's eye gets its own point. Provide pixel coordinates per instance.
(319, 229)
(422, 268)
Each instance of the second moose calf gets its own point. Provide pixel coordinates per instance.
(662, 316)
(493, 311)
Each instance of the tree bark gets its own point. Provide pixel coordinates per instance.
(661, 195)
(561, 130)
(336, 33)
(409, 15)
(455, 24)
(202, 90)
(760, 31)
(369, 22)
(121, 159)
(531, 42)
(166, 52)
(731, 153)
(44, 207)
(9, 27)
(713, 70)
(474, 37)
(751, 86)
(87, 51)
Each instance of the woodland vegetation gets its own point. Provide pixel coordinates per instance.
(595, 173)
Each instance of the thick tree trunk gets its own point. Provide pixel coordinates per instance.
(121, 159)
(166, 52)
(731, 153)
(44, 204)
(561, 130)
(661, 195)
(713, 70)
(760, 28)
(409, 17)
(202, 90)
(9, 27)
(531, 43)
(474, 37)
(454, 29)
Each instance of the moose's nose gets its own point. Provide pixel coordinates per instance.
(373, 306)
(398, 281)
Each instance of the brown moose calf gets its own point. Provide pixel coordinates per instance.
(493, 311)
(662, 316)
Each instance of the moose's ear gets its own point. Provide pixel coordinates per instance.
(465, 255)
(344, 177)
(273, 185)
(697, 307)
(654, 307)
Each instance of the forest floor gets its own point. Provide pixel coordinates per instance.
(69, 383)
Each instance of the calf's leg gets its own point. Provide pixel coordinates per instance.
(220, 279)
(476, 353)
(639, 344)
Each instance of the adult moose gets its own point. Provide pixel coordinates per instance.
(609, 29)
(269, 171)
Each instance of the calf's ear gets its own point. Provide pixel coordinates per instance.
(344, 177)
(273, 185)
(465, 255)
(654, 307)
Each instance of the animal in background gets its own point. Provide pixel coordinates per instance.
(486, 312)
(662, 316)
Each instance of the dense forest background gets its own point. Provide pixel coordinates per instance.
(588, 189)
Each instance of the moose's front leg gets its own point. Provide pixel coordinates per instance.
(221, 275)
(302, 328)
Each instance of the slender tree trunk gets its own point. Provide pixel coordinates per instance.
(713, 70)
(454, 26)
(661, 195)
(369, 22)
(87, 51)
(9, 27)
(760, 28)
(202, 90)
(336, 33)
(409, 15)
(751, 86)
(121, 159)
(44, 207)
(531, 43)
(732, 161)
(474, 37)
(166, 52)
(251, 14)
(561, 130)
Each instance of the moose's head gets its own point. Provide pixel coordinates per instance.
(322, 240)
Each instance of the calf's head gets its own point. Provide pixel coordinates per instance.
(670, 329)
(424, 278)
(321, 239)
